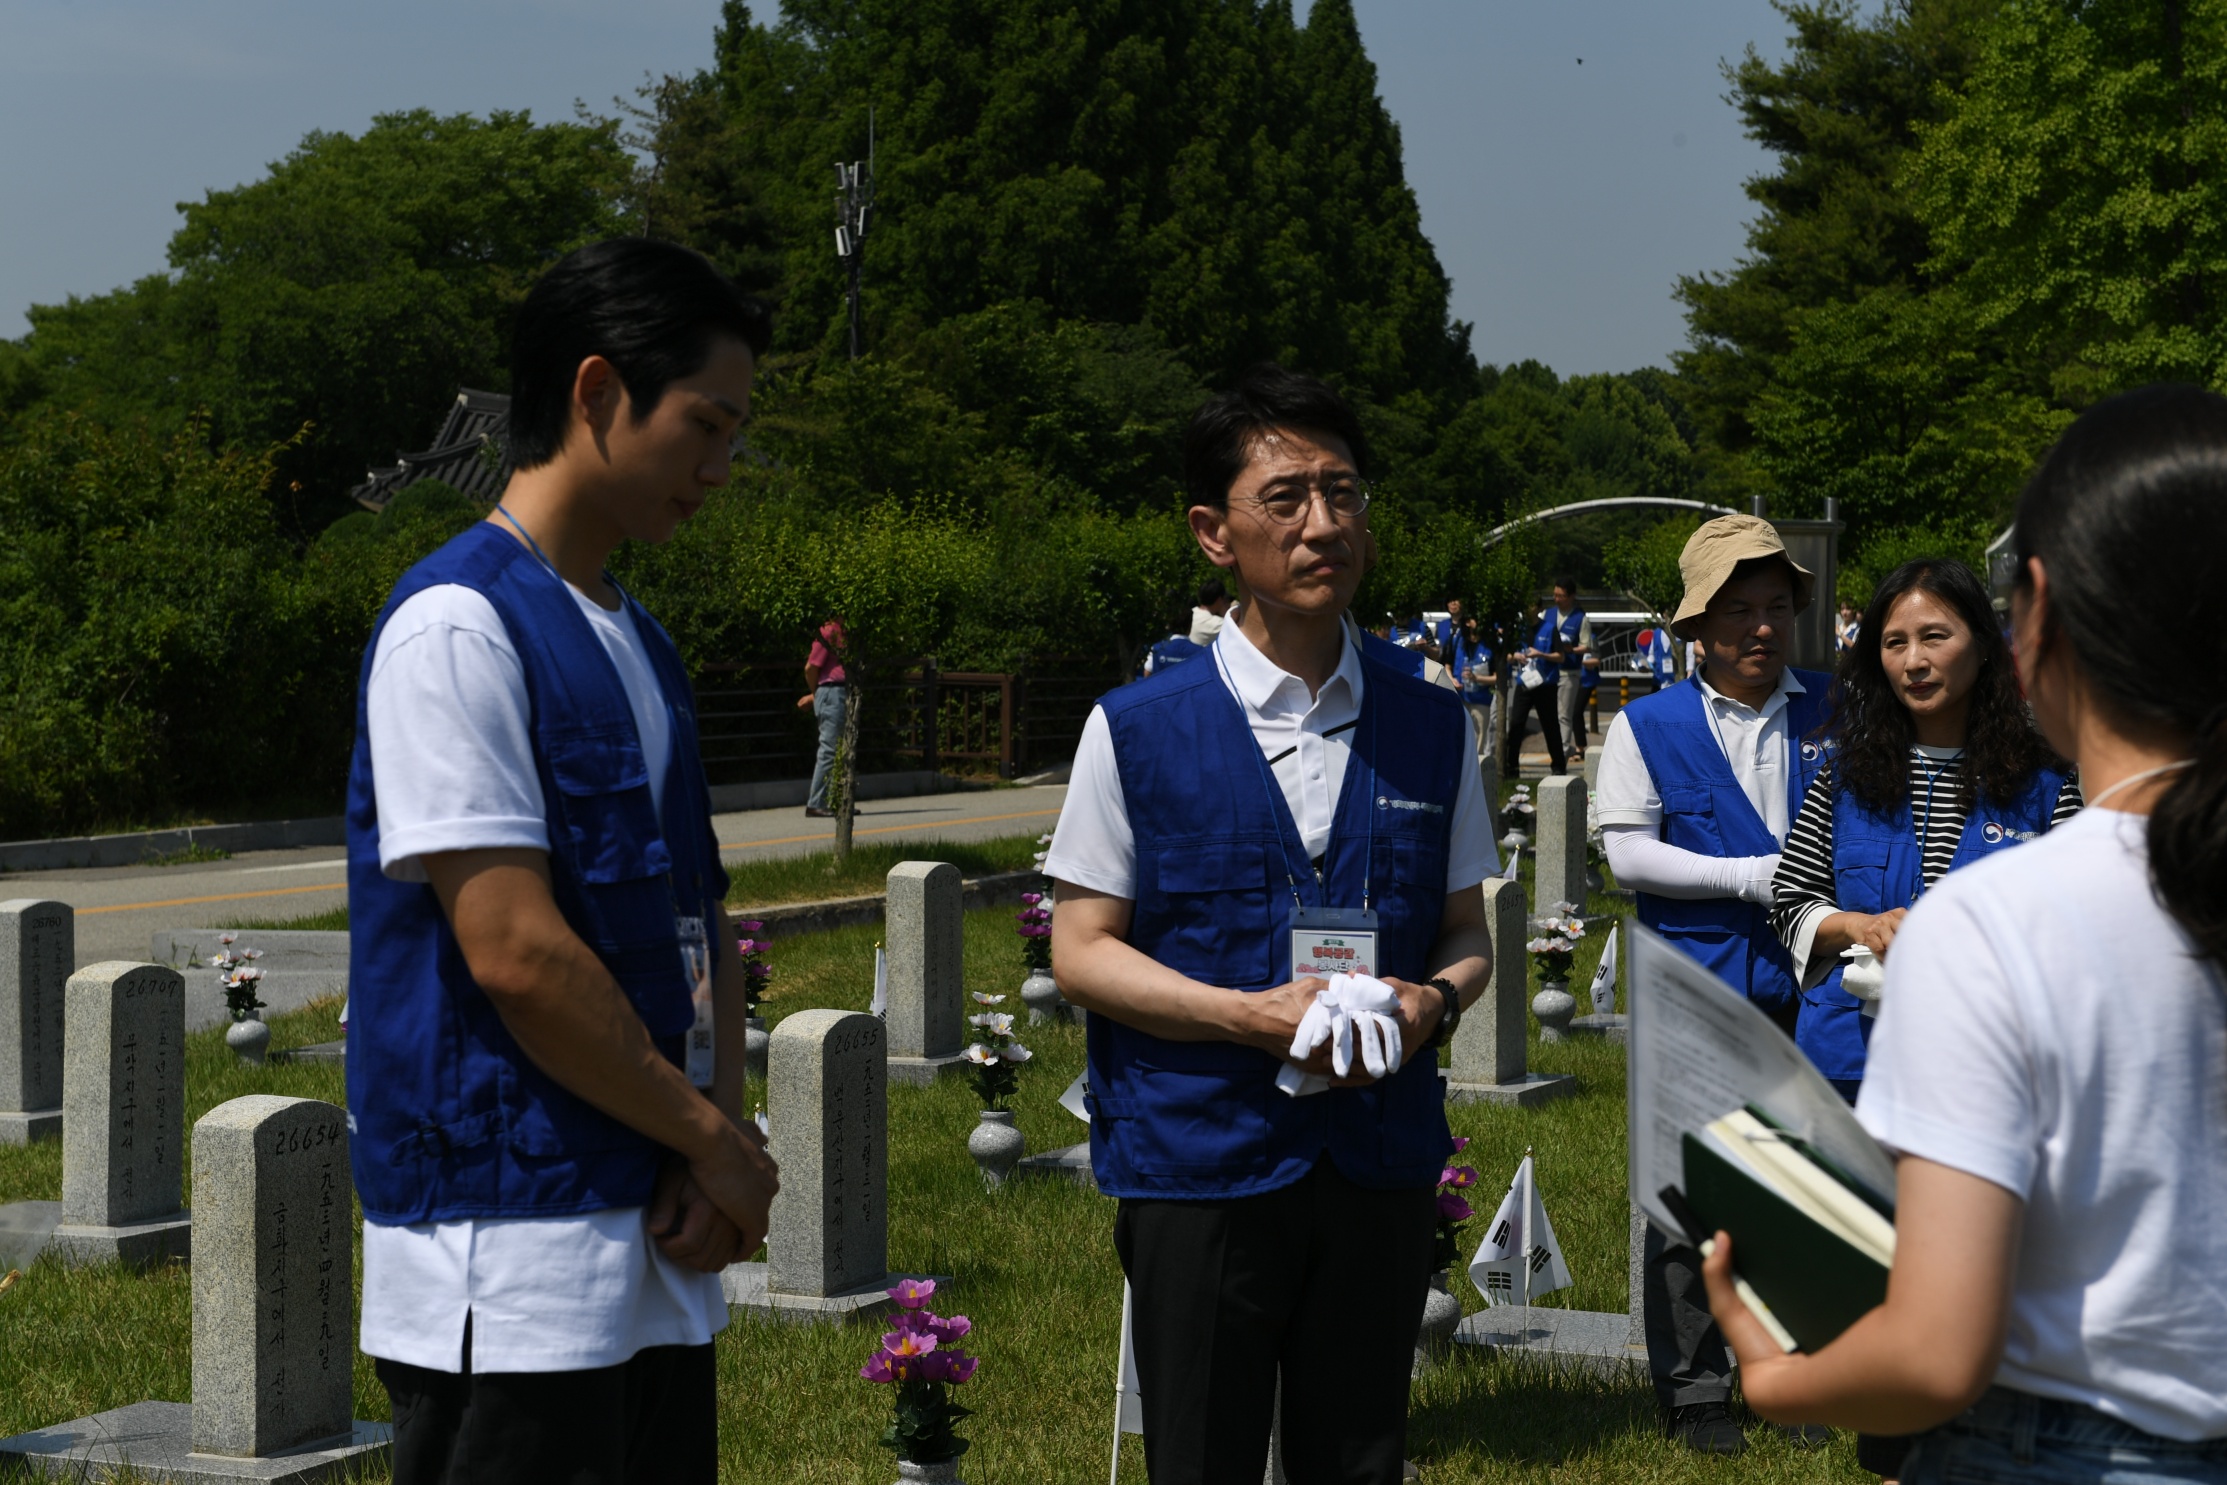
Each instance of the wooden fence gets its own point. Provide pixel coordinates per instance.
(1006, 724)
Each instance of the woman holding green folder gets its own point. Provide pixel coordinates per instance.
(2050, 1061)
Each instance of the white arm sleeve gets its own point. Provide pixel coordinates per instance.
(452, 760)
(1093, 846)
(1646, 864)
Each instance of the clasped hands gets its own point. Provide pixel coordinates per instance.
(1277, 1016)
(704, 1214)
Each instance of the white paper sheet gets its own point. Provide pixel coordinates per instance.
(1698, 1050)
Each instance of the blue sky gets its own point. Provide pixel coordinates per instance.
(1564, 199)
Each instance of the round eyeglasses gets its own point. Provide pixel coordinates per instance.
(1346, 495)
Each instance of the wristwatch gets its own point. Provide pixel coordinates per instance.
(1449, 1020)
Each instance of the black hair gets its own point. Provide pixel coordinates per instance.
(2002, 749)
(1220, 439)
(1567, 584)
(1212, 592)
(649, 308)
(2138, 487)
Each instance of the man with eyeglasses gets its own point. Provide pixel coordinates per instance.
(1234, 830)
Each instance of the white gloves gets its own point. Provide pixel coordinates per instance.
(1354, 1008)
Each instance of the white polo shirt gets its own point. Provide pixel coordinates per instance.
(1754, 743)
(1307, 742)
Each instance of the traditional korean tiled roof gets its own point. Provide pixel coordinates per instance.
(470, 452)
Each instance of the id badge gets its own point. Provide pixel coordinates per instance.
(1333, 941)
(695, 959)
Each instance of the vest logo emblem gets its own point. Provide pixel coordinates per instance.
(1810, 752)
(1992, 833)
(1385, 802)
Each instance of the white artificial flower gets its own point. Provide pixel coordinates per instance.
(981, 1055)
(981, 999)
(1015, 1052)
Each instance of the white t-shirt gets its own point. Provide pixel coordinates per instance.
(1307, 742)
(2047, 1027)
(453, 769)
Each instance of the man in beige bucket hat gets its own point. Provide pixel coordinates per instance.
(1698, 785)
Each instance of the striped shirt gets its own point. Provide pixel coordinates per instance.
(1803, 894)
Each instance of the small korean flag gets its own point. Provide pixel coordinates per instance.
(1515, 862)
(1604, 978)
(1519, 1260)
(880, 1005)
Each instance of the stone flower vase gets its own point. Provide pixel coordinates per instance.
(942, 1472)
(996, 1146)
(1441, 1314)
(1554, 1005)
(1040, 993)
(754, 1044)
(249, 1039)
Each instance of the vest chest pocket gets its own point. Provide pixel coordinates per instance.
(1690, 818)
(1213, 900)
(601, 817)
(1860, 874)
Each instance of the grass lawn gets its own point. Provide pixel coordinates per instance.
(1035, 1270)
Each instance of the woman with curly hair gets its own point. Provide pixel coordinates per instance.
(1933, 764)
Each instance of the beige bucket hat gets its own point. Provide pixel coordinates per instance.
(1721, 545)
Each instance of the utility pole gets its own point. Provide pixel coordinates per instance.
(854, 210)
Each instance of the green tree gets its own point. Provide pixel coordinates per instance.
(351, 291)
(1841, 115)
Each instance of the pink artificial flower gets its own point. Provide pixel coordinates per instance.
(1461, 1143)
(948, 1332)
(913, 1294)
(962, 1367)
(751, 926)
(1031, 899)
(878, 1369)
(1452, 1208)
(1457, 1177)
(909, 1341)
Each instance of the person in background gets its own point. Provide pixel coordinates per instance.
(1538, 683)
(1846, 628)
(1446, 633)
(1277, 1244)
(550, 1186)
(1588, 702)
(1480, 683)
(2052, 1040)
(1573, 640)
(1698, 784)
(1932, 764)
(1654, 647)
(1206, 614)
(829, 699)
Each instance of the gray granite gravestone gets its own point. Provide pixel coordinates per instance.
(1491, 1056)
(273, 1318)
(1558, 858)
(927, 1020)
(123, 1115)
(38, 945)
(827, 1100)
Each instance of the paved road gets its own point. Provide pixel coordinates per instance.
(120, 907)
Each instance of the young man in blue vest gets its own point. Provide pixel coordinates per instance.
(553, 1170)
(1292, 800)
(1698, 785)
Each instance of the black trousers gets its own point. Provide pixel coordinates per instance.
(1686, 1355)
(1543, 700)
(650, 1420)
(1324, 1279)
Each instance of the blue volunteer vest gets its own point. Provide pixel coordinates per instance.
(1705, 811)
(448, 1117)
(1466, 657)
(1556, 633)
(1205, 1119)
(1174, 650)
(1878, 865)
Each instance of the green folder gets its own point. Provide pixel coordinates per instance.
(1816, 1282)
